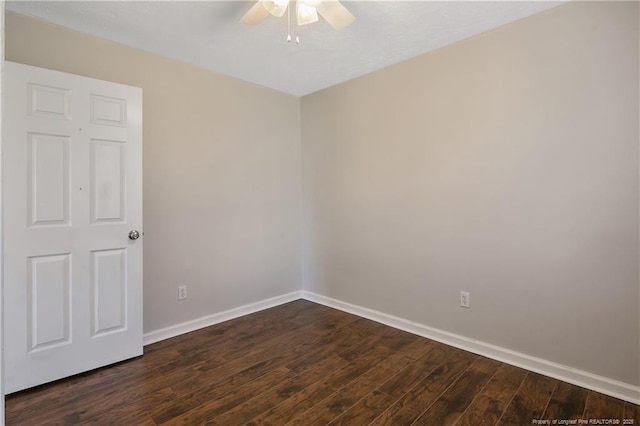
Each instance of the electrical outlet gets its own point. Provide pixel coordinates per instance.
(182, 292)
(465, 299)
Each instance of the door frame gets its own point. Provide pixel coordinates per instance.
(2, 38)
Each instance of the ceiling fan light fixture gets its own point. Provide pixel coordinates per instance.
(307, 11)
(311, 3)
(276, 7)
(306, 14)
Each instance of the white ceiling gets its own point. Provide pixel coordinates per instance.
(207, 34)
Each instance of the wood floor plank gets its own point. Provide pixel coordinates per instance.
(567, 402)
(286, 347)
(599, 406)
(122, 398)
(307, 396)
(366, 410)
(397, 339)
(400, 384)
(417, 400)
(188, 399)
(261, 358)
(135, 413)
(340, 401)
(290, 384)
(408, 354)
(336, 341)
(632, 412)
(160, 358)
(265, 338)
(97, 394)
(214, 407)
(194, 391)
(274, 395)
(485, 408)
(494, 398)
(448, 408)
(316, 392)
(373, 343)
(530, 401)
(87, 384)
(349, 395)
(305, 364)
(237, 329)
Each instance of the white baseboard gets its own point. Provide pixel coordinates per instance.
(206, 321)
(565, 373)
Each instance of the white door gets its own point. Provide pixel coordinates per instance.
(72, 192)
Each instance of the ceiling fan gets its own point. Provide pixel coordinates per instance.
(307, 12)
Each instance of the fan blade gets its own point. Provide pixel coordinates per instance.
(255, 15)
(335, 14)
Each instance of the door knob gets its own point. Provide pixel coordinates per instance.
(134, 235)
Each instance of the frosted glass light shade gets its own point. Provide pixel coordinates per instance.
(306, 14)
(311, 3)
(276, 7)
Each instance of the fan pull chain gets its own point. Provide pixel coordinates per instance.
(289, 26)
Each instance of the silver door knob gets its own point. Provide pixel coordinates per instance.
(134, 235)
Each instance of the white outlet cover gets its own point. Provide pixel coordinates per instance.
(182, 292)
(465, 299)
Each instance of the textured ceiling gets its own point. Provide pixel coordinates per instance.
(207, 34)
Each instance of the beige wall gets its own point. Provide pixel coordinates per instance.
(505, 165)
(221, 173)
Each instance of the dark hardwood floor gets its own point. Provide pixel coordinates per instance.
(306, 364)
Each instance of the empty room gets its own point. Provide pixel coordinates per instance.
(315, 212)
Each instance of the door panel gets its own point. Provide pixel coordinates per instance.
(72, 191)
(50, 102)
(108, 181)
(109, 286)
(48, 179)
(108, 111)
(48, 301)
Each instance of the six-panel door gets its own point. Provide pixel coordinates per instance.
(72, 192)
